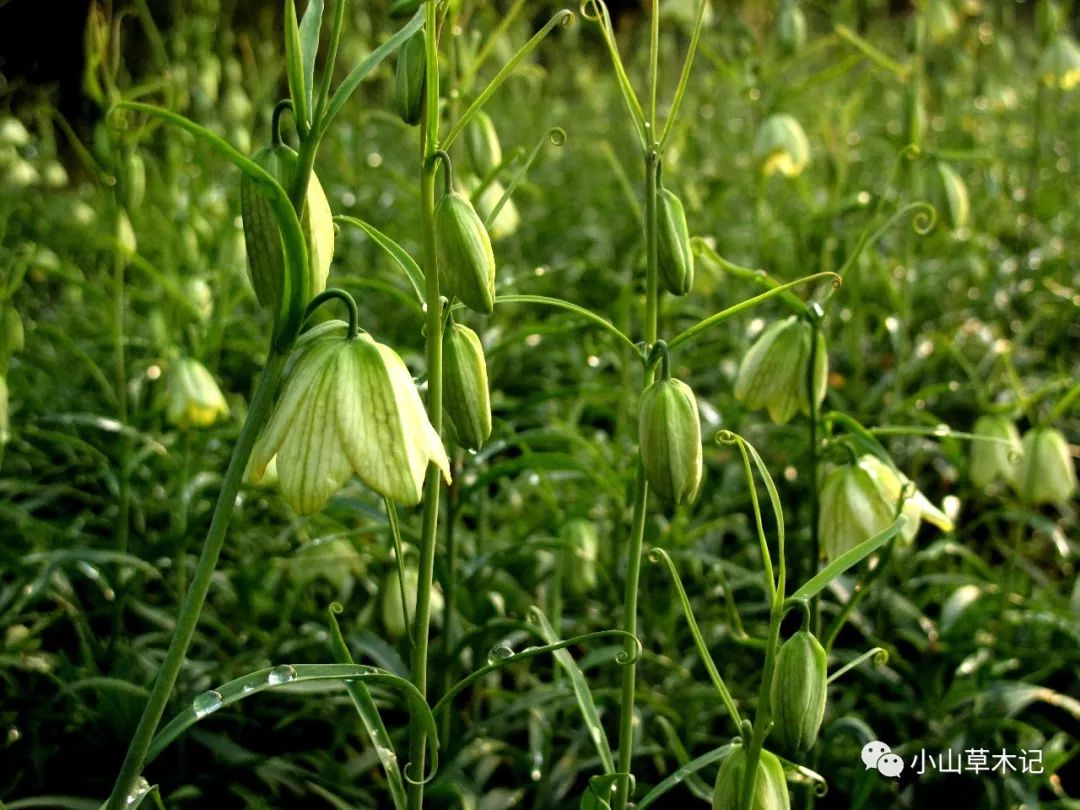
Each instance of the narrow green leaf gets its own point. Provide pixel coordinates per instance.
(682, 774)
(396, 252)
(370, 62)
(264, 679)
(294, 67)
(563, 17)
(567, 305)
(581, 693)
(310, 26)
(849, 558)
(369, 715)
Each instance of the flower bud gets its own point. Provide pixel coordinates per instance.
(951, 196)
(790, 27)
(773, 374)
(195, 400)
(466, 260)
(669, 432)
(482, 144)
(676, 260)
(770, 787)
(133, 180)
(1059, 64)
(994, 451)
(582, 554)
(410, 78)
(126, 244)
(508, 219)
(13, 132)
(265, 251)
(465, 386)
(393, 617)
(199, 295)
(852, 510)
(347, 405)
(1046, 473)
(781, 146)
(12, 335)
(799, 690)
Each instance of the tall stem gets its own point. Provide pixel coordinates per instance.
(200, 583)
(422, 621)
(641, 496)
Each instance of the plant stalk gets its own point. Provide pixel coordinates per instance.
(433, 351)
(200, 583)
(641, 496)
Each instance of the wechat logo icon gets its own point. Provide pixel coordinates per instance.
(879, 756)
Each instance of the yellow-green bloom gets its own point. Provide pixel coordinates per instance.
(852, 510)
(781, 146)
(892, 484)
(1059, 65)
(1046, 471)
(347, 405)
(994, 451)
(195, 400)
(773, 374)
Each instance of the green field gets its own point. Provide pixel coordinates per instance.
(484, 404)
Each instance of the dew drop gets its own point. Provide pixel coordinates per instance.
(206, 703)
(280, 675)
(941, 430)
(138, 792)
(500, 652)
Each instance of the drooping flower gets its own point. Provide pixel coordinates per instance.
(781, 146)
(347, 405)
(892, 484)
(994, 451)
(195, 400)
(852, 510)
(1046, 472)
(773, 374)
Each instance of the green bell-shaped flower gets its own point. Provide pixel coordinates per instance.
(770, 786)
(781, 146)
(852, 510)
(893, 484)
(583, 551)
(347, 405)
(942, 22)
(951, 196)
(195, 400)
(790, 26)
(1046, 474)
(995, 450)
(773, 375)
(1059, 64)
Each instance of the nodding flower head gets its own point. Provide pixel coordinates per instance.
(194, 397)
(773, 375)
(1059, 64)
(347, 405)
(995, 450)
(1046, 472)
(781, 146)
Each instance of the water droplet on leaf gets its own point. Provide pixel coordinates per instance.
(206, 703)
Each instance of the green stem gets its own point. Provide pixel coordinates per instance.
(641, 499)
(815, 539)
(763, 715)
(433, 350)
(200, 583)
